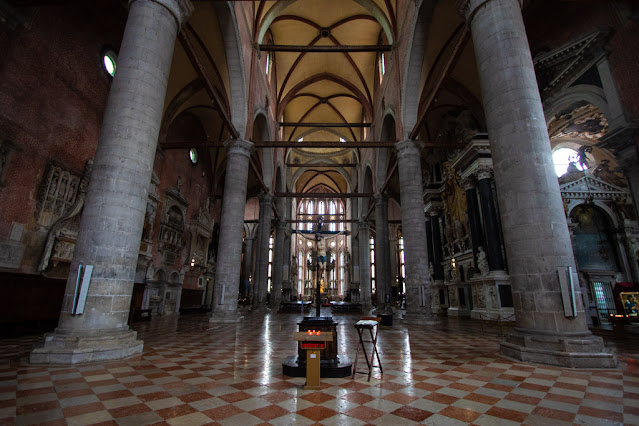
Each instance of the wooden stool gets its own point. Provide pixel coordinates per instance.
(372, 325)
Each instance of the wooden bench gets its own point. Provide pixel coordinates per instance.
(346, 307)
(294, 306)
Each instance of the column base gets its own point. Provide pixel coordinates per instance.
(574, 350)
(386, 310)
(367, 309)
(230, 317)
(74, 348)
(420, 318)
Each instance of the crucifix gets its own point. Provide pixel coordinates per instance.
(319, 261)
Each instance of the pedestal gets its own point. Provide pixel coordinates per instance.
(331, 364)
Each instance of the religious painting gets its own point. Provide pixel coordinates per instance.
(629, 302)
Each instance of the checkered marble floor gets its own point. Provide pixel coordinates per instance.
(194, 373)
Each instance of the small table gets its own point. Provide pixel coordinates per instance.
(372, 325)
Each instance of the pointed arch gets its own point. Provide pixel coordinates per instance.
(235, 64)
(369, 5)
(413, 66)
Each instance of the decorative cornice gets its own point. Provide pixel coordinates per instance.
(560, 67)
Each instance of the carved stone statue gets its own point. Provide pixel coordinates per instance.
(431, 272)
(482, 262)
(453, 195)
(454, 275)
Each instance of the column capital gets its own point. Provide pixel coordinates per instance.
(469, 183)
(484, 172)
(380, 199)
(468, 8)
(434, 210)
(363, 225)
(408, 147)
(266, 198)
(281, 225)
(238, 146)
(181, 9)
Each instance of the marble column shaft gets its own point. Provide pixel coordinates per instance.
(261, 256)
(229, 258)
(418, 294)
(438, 256)
(429, 242)
(113, 215)
(491, 225)
(474, 221)
(365, 290)
(533, 221)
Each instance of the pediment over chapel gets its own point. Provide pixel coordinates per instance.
(590, 185)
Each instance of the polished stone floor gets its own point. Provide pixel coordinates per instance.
(192, 373)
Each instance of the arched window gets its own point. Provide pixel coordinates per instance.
(372, 251)
(402, 265)
(331, 212)
(271, 245)
(341, 288)
(564, 157)
(300, 272)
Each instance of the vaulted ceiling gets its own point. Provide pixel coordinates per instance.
(324, 87)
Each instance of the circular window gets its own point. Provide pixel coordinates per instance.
(193, 155)
(562, 158)
(109, 61)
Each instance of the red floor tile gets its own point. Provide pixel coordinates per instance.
(412, 413)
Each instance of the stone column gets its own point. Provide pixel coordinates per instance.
(491, 225)
(533, 220)
(278, 262)
(474, 220)
(438, 256)
(365, 290)
(229, 257)
(382, 258)
(113, 216)
(418, 294)
(287, 285)
(248, 262)
(261, 257)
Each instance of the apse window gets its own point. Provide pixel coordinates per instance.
(268, 63)
(109, 61)
(562, 158)
(193, 156)
(382, 67)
